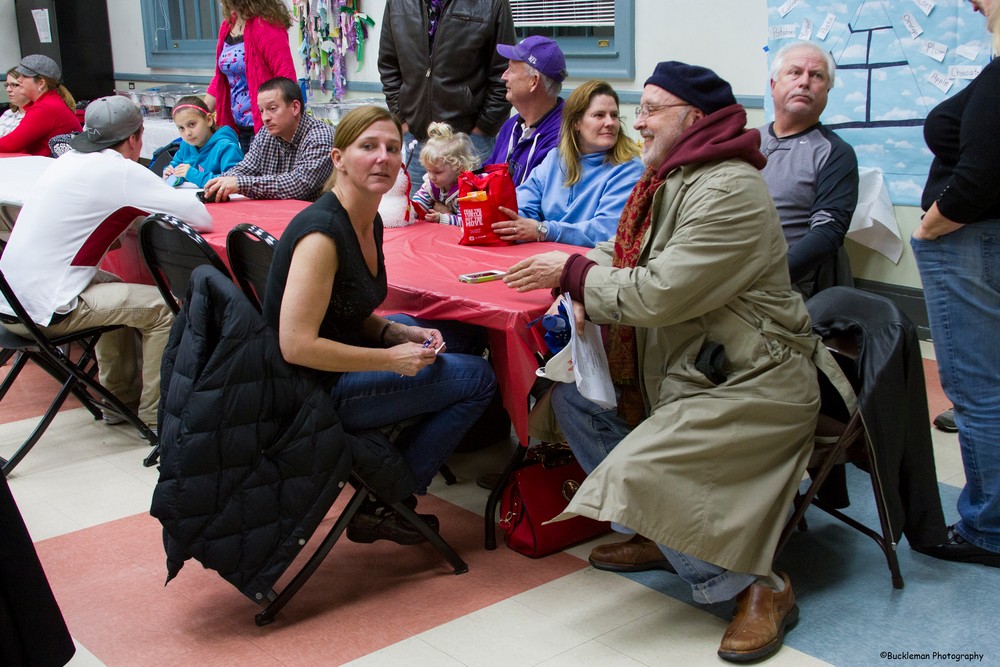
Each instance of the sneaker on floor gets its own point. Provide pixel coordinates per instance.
(111, 416)
(385, 524)
(946, 421)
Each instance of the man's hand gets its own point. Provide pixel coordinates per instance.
(221, 187)
(934, 225)
(516, 228)
(538, 272)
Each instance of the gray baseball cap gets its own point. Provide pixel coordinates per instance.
(39, 65)
(108, 121)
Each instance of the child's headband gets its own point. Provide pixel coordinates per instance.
(189, 106)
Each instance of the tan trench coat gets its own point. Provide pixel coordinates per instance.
(713, 470)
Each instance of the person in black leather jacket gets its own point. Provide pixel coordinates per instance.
(438, 62)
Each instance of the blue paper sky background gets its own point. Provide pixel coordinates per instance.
(899, 94)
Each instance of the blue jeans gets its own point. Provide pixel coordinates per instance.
(960, 273)
(482, 144)
(592, 432)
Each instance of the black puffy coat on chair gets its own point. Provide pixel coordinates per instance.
(252, 454)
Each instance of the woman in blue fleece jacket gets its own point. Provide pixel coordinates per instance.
(577, 193)
(206, 150)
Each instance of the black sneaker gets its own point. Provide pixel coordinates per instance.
(957, 549)
(946, 421)
(385, 524)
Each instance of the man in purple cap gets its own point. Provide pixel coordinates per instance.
(535, 71)
(712, 358)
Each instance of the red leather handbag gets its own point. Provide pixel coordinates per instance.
(538, 492)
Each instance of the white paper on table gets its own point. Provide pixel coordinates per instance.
(583, 361)
(874, 222)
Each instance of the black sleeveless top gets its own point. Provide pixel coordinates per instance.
(356, 292)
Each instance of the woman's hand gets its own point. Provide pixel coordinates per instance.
(409, 358)
(517, 228)
(538, 272)
(934, 225)
(399, 334)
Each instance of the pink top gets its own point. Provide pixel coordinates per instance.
(267, 56)
(43, 119)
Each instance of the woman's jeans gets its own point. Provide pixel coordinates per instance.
(449, 395)
(592, 432)
(960, 273)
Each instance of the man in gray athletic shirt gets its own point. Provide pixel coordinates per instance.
(812, 173)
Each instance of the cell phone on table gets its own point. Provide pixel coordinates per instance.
(205, 199)
(482, 276)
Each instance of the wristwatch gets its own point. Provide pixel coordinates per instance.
(541, 232)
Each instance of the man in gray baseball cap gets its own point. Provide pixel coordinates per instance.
(76, 210)
(108, 121)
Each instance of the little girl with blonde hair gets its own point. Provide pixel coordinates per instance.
(445, 155)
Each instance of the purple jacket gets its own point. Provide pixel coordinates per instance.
(524, 154)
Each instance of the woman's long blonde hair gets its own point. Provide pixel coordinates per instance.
(569, 149)
(352, 125)
(274, 11)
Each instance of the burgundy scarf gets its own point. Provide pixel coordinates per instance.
(718, 136)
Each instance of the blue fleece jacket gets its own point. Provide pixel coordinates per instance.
(585, 213)
(524, 148)
(221, 152)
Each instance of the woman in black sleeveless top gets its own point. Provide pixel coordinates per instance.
(327, 278)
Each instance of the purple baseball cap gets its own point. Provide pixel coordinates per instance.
(540, 52)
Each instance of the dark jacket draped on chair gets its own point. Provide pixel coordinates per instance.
(893, 402)
(252, 452)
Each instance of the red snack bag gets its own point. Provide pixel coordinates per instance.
(479, 212)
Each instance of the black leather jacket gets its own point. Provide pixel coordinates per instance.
(459, 83)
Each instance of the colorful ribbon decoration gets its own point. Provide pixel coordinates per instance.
(327, 33)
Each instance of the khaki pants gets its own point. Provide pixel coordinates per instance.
(138, 307)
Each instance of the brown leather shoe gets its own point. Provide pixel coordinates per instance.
(762, 616)
(637, 554)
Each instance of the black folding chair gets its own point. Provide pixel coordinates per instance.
(51, 355)
(172, 249)
(250, 251)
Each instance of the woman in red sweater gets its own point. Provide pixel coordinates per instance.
(253, 47)
(50, 109)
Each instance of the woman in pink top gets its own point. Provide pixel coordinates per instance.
(49, 109)
(253, 47)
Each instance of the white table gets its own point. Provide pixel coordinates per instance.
(158, 132)
(18, 176)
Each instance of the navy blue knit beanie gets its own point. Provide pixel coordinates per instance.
(695, 85)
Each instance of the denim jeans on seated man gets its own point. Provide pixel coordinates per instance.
(482, 144)
(960, 273)
(592, 432)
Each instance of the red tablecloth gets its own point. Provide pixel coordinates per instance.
(423, 262)
(272, 215)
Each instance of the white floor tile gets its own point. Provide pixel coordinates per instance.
(506, 634)
(591, 654)
(593, 602)
(411, 651)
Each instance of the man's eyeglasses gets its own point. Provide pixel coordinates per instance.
(647, 110)
(774, 144)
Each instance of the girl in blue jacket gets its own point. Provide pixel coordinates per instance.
(206, 151)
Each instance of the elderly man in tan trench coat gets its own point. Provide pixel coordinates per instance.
(712, 356)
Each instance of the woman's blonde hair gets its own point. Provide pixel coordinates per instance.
(454, 149)
(274, 11)
(353, 124)
(573, 111)
(993, 22)
(52, 84)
